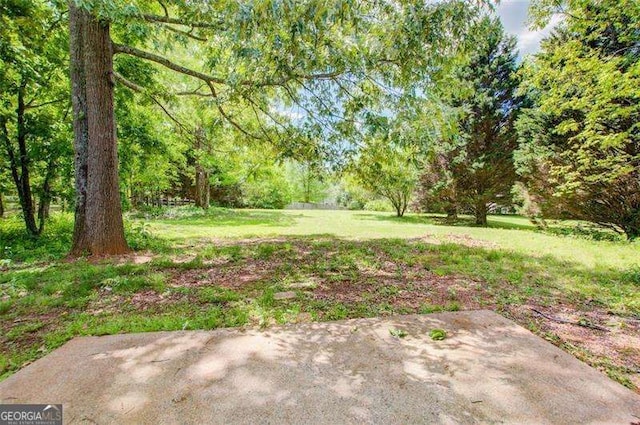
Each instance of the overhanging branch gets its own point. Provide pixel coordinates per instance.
(184, 33)
(133, 86)
(227, 117)
(161, 60)
(176, 21)
(121, 48)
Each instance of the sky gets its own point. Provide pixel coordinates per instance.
(513, 14)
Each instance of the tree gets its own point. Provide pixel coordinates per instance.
(33, 104)
(307, 181)
(351, 194)
(267, 187)
(436, 188)
(579, 145)
(3, 178)
(388, 170)
(99, 228)
(253, 52)
(473, 167)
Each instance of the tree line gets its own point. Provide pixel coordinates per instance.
(247, 103)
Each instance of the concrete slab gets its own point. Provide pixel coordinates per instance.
(488, 370)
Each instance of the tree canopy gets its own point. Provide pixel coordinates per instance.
(579, 143)
(34, 104)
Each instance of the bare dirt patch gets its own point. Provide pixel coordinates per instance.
(464, 240)
(384, 277)
(225, 275)
(147, 299)
(616, 344)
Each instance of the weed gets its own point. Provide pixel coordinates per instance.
(437, 334)
(215, 295)
(398, 333)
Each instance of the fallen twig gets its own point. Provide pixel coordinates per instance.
(584, 324)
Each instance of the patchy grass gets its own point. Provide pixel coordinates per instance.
(369, 265)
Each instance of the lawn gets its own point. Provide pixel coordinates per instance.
(572, 284)
(511, 233)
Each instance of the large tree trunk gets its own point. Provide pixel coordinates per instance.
(481, 213)
(77, 19)
(99, 228)
(1, 206)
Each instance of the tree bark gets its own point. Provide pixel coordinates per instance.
(99, 228)
(203, 188)
(481, 213)
(452, 212)
(1, 206)
(399, 204)
(19, 164)
(632, 231)
(77, 19)
(26, 200)
(45, 197)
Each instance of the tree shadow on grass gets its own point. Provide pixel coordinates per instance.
(439, 220)
(562, 228)
(223, 217)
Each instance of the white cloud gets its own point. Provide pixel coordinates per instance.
(514, 14)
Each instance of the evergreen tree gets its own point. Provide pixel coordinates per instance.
(472, 167)
(579, 153)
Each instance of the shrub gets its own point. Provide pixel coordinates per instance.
(17, 245)
(268, 194)
(378, 205)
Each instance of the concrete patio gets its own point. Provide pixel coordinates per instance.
(488, 370)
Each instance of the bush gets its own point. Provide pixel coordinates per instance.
(632, 275)
(267, 194)
(587, 231)
(379, 205)
(140, 238)
(355, 205)
(526, 205)
(54, 243)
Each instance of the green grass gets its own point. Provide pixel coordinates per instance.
(210, 271)
(567, 241)
(54, 243)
